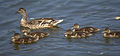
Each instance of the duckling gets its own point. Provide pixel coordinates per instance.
(26, 32)
(23, 40)
(117, 18)
(84, 29)
(111, 34)
(37, 23)
(70, 33)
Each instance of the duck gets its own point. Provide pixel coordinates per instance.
(27, 32)
(71, 34)
(37, 23)
(87, 29)
(17, 39)
(111, 34)
(117, 18)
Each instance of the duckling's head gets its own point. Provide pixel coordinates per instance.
(22, 11)
(69, 31)
(15, 37)
(106, 30)
(76, 26)
(25, 31)
(117, 18)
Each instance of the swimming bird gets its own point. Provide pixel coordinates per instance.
(111, 34)
(37, 23)
(88, 29)
(27, 32)
(71, 34)
(23, 40)
(117, 18)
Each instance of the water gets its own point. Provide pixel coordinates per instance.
(97, 13)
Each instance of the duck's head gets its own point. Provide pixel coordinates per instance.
(75, 26)
(69, 31)
(21, 11)
(16, 36)
(106, 30)
(117, 18)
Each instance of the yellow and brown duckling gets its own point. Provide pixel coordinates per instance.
(111, 34)
(23, 40)
(84, 29)
(37, 23)
(71, 34)
(117, 18)
(26, 32)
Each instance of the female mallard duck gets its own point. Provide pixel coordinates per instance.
(23, 40)
(37, 23)
(113, 34)
(71, 34)
(26, 32)
(84, 29)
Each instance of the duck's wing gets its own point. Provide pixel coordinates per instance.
(39, 20)
(115, 33)
(84, 29)
(42, 23)
(40, 33)
(43, 19)
(50, 21)
(25, 40)
(89, 29)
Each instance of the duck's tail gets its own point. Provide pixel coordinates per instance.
(57, 22)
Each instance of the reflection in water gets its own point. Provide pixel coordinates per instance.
(107, 40)
(16, 46)
(70, 39)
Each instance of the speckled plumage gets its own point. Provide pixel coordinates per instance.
(89, 29)
(37, 34)
(111, 34)
(84, 29)
(26, 32)
(71, 34)
(23, 40)
(37, 23)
